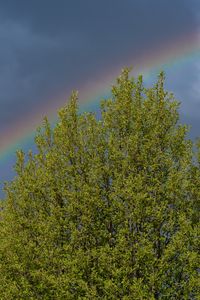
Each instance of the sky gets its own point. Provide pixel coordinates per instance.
(51, 47)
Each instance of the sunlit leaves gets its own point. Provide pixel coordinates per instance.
(107, 209)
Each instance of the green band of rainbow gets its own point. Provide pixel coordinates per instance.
(175, 52)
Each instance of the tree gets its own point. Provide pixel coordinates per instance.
(107, 209)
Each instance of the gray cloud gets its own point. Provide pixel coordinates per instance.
(49, 46)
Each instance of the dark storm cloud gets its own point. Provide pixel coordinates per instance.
(48, 46)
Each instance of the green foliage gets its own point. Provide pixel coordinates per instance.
(106, 209)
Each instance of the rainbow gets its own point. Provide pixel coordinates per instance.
(167, 55)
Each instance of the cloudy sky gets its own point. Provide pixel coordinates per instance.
(50, 47)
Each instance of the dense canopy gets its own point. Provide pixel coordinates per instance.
(108, 208)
